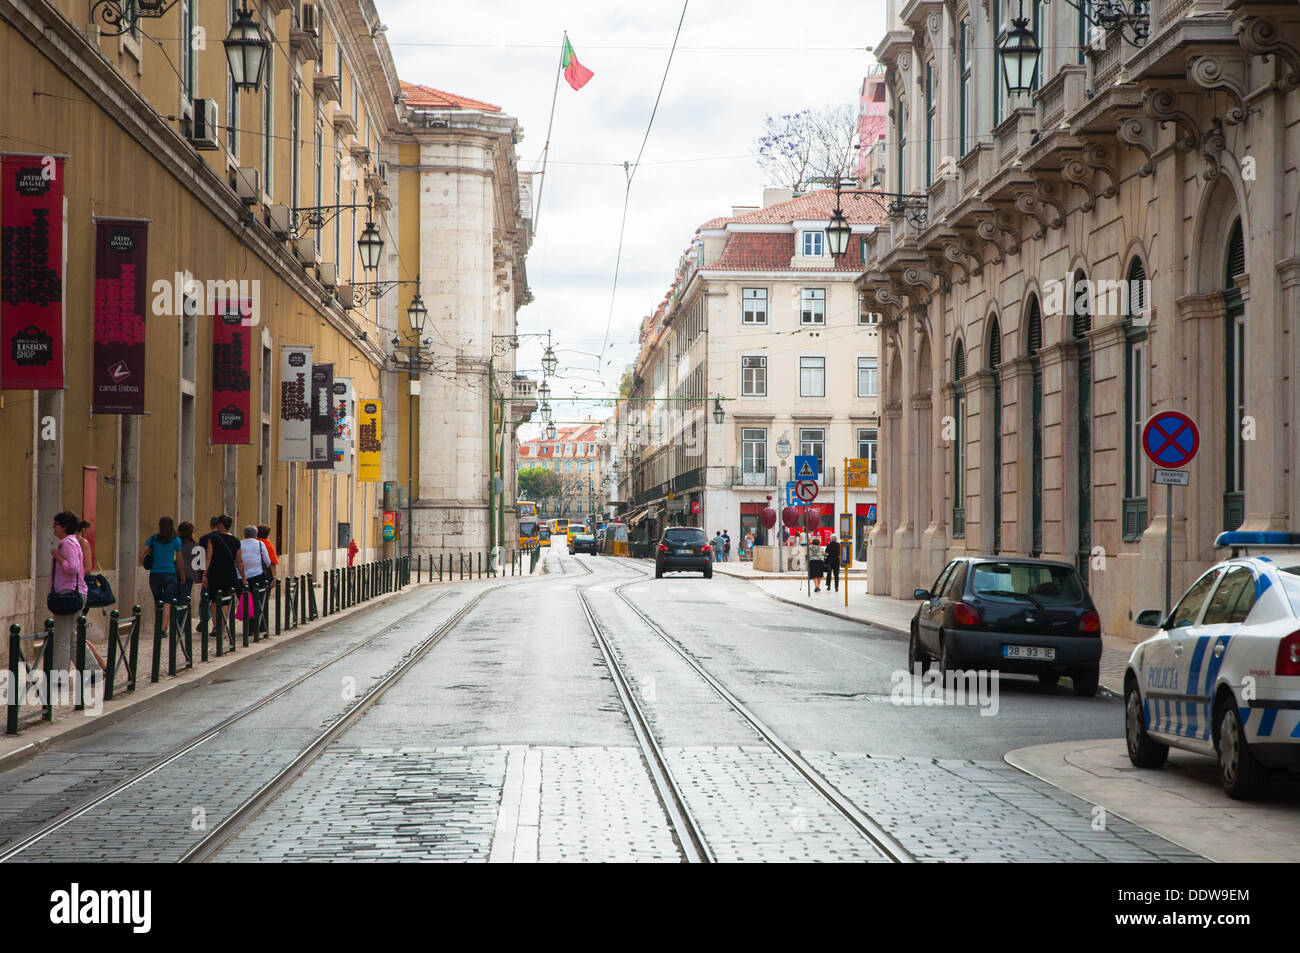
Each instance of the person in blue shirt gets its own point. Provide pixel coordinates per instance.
(165, 546)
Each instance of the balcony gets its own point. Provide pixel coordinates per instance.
(304, 42)
(327, 89)
(344, 124)
(764, 477)
(1059, 97)
(1012, 136)
(1104, 62)
(523, 398)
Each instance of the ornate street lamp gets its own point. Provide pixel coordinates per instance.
(550, 431)
(549, 362)
(838, 231)
(1020, 54)
(718, 413)
(416, 313)
(546, 415)
(370, 245)
(544, 392)
(246, 50)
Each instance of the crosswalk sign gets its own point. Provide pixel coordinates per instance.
(805, 468)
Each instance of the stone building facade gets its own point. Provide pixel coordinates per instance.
(1121, 241)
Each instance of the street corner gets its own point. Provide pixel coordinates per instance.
(1182, 802)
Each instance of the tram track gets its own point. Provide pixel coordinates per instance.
(135, 778)
(686, 829)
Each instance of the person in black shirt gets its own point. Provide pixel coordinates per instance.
(833, 562)
(224, 571)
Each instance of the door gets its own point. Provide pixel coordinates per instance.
(932, 610)
(1164, 672)
(1198, 651)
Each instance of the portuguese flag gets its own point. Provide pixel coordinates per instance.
(574, 72)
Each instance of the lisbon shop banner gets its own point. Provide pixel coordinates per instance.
(31, 272)
(344, 427)
(369, 423)
(232, 357)
(120, 283)
(295, 408)
(322, 417)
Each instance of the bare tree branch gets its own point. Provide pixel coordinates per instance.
(809, 146)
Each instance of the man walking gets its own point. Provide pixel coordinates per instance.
(726, 546)
(833, 562)
(718, 545)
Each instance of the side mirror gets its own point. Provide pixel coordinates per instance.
(922, 594)
(1150, 618)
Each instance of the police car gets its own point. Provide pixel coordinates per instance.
(1222, 675)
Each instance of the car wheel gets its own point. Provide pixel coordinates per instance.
(1143, 750)
(708, 573)
(1085, 681)
(1049, 678)
(1243, 777)
(916, 656)
(945, 660)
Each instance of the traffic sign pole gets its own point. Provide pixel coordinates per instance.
(1169, 544)
(1170, 440)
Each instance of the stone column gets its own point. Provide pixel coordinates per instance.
(1017, 455)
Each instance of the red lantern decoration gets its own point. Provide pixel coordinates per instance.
(790, 516)
(768, 517)
(812, 516)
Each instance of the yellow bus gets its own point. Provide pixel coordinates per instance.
(560, 527)
(528, 526)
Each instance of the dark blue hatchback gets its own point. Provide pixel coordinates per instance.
(1012, 615)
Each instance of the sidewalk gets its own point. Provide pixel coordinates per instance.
(884, 612)
(1182, 802)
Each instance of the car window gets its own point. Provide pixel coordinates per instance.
(684, 535)
(953, 587)
(1189, 607)
(942, 581)
(1232, 598)
(1027, 582)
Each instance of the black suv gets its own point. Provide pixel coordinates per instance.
(1015, 615)
(683, 548)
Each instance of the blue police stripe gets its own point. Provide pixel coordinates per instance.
(1212, 672)
(1193, 679)
(1262, 582)
(1266, 722)
(1244, 713)
(1295, 732)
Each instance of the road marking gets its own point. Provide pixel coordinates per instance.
(512, 789)
(530, 809)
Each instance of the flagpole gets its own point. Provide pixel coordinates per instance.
(546, 150)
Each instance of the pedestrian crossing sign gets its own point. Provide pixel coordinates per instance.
(805, 467)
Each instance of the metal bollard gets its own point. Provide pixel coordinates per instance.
(277, 607)
(155, 672)
(79, 691)
(205, 623)
(220, 628)
(47, 665)
(134, 653)
(15, 654)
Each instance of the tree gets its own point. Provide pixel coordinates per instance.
(799, 149)
(539, 483)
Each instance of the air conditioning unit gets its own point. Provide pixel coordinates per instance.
(329, 274)
(383, 172)
(203, 127)
(279, 219)
(308, 19)
(344, 293)
(305, 249)
(247, 183)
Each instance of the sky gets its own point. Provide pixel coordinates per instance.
(735, 63)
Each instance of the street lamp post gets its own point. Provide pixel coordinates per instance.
(416, 361)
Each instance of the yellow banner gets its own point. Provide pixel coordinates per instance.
(859, 472)
(369, 428)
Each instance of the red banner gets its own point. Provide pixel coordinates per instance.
(232, 356)
(31, 273)
(120, 283)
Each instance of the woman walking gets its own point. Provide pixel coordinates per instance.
(159, 556)
(255, 558)
(225, 571)
(816, 561)
(264, 534)
(67, 586)
(187, 571)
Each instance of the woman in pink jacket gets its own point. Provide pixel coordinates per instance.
(69, 575)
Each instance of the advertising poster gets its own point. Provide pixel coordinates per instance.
(120, 284)
(322, 417)
(295, 409)
(369, 424)
(31, 272)
(232, 356)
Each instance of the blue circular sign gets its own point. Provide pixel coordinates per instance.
(1170, 439)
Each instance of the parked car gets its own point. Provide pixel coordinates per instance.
(1221, 676)
(1013, 615)
(683, 548)
(583, 543)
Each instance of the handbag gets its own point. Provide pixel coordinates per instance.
(63, 602)
(244, 609)
(147, 560)
(98, 592)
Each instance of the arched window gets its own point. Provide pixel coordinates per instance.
(995, 358)
(958, 442)
(1234, 488)
(1080, 326)
(1137, 399)
(1034, 344)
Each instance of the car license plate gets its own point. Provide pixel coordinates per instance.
(685, 552)
(1029, 652)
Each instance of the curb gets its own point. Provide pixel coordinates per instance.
(886, 626)
(178, 684)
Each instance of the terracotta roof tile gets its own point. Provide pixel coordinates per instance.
(420, 95)
(858, 207)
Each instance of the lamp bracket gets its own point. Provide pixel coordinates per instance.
(317, 216)
(363, 294)
(122, 16)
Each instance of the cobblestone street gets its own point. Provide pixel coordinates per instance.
(587, 713)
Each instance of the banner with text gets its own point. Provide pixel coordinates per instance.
(369, 427)
(232, 358)
(295, 409)
(322, 417)
(120, 284)
(31, 272)
(344, 426)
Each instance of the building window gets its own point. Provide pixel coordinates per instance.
(931, 103)
(812, 306)
(1136, 401)
(753, 450)
(901, 135)
(187, 46)
(268, 126)
(1234, 495)
(812, 377)
(338, 200)
(295, 144)
(753, 376)
(812, 443)
(753, 306)
(813, 244)
(867, 451)
(964, 120)
(868, 318)
(867, 375)
(320, 171)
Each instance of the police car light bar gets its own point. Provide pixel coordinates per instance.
(1269, 540)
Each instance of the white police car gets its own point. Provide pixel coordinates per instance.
(1222, 676)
